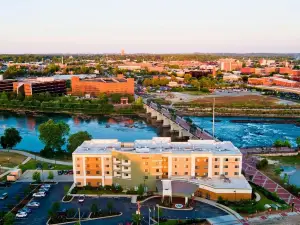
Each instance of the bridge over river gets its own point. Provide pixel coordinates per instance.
(184, 127)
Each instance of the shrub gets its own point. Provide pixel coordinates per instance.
(262, 164)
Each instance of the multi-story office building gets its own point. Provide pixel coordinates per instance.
(205, 167)
(6, 85)
(96, 86)
(33, 86)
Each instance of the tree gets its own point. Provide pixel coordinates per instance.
(55, 207)
(66, 189)
(77, 139)
(187, 78)
(9, 218)
(136, 219)
(50, 175)
(284, 143)
(10, 138)
(36, 176)
(140, 190)
(53, 134)
(110, 206)
(298, 141)
(94, 208)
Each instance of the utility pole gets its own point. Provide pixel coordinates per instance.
(213, 122)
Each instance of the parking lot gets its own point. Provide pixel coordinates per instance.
(40, 215)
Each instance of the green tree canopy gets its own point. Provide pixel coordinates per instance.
(10, 138)
(53, 134)
(77, 139)
(9, 219)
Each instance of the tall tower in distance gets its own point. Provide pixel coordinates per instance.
(122, 52)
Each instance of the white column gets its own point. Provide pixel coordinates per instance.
(102, 172)
(193, 166)
(221, 165)
(74, 159)
(84, 171)
(170, 165)
(210, 166)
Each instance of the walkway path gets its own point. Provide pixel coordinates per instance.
(40, 158)
(257, 177)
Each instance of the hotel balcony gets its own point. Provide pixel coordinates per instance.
(126, 169)
(117, 174)
(126, 162)
(117, 168)
(126, 176)
(116, 161)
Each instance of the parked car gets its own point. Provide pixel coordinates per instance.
(21, 215)
(66, 172)
(33, 204)
(46, 186)
(46, 190)
(39, 194)
(3, 196)
(26, 210)
(81, 198)
(60, 172)
(70, 172)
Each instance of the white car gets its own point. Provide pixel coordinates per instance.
(39, 194)
(81, 198)
(47, 186)
(21, 215)
(33, 204)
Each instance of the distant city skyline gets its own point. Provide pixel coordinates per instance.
(169, 26)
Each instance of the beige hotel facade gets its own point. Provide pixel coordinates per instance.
(204, 168)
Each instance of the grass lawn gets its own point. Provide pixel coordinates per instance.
(98, 192)
(288, 160)
(31, 165)
(195, 93)
(9, 159)
(264, 200)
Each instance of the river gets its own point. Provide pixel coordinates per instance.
(249, 134)
(126, 129)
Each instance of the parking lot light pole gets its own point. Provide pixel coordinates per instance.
(79, 215)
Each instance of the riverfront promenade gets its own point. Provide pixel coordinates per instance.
(257, 177)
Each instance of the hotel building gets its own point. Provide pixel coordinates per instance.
(202, 167)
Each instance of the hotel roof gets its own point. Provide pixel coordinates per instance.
(158, 145)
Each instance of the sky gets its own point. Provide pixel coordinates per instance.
(152, 26)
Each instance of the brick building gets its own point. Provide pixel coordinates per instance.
(96, 86)
(39, 85)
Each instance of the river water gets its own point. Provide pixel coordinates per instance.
(249, 134)
(129, 129)
(125, 129)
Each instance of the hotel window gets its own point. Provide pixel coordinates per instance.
(96, 159)
(78, 183)
(157, 177)
(226, 173)
(77, 172)
(78, 165)
(216, 173)
(216, 166)
(106, 159)
(226, 159)
(157, 170)
(236, 173)
(186, 173)
(77, 159)
(87, 165)
(186, 166)
(175, 166)
(126, 161)
(107, 172)
(196, 167)
(236, 166)
(216, 159)
(146, 170)
(107, 166)
(97, 172)
(237, 159)
(204, 174)
(187, 159)
(205, 167)
(175, 173)
(166, 173)
(226, 166)
(88, 172)
(97, 165)
(89, 183)
(196, 174)
(126, 174)
(146, 177)
(205, 160)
